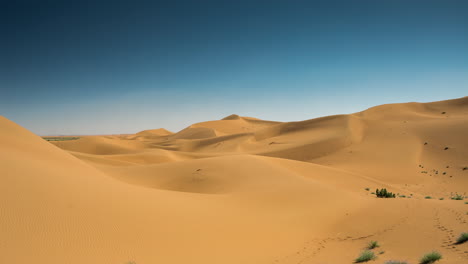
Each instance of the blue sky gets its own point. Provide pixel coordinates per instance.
(103, 67)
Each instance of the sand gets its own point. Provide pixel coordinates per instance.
(241, 190)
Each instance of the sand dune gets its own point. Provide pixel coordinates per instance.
(154, 132)
(241, 190)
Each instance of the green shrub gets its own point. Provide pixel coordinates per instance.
(457, 196)
(373, 244)
(365, 256)
(383, 193)
(462, 238)
(396, 262)
(428, 197)
(441, 198)
(430, 257)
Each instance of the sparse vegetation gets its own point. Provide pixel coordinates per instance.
(60, 138)
(381, 252)
(441, 198)
(462, 238)
(402, 196)
(383, 193)
(428, 197)
(373, 244)
(457, 196)
(367, 189)
(365, 256)
(430, 257)
(395, 262)
(446, 148)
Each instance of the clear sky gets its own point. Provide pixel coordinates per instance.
(103, 67)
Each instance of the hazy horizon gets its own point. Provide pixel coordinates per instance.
(219, 118)
(97, 68)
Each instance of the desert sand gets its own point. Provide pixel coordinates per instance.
(241, 191)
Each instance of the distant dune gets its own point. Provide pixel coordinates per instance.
(241, 190)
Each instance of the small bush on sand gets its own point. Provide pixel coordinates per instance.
(428, 197)
(365, 256)
(373, 244)
(395, 262)
(383, 193)
(457, 196)
(462, 238)
(430, 257)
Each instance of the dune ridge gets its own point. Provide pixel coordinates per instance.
(241, 190)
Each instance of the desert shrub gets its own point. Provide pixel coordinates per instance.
(367, 189)
(365, 256)
(373, 244)
(430, 257)
(462, 238)
(395, 262)
(457, 196)
(402, 196)
(428, 197)
(383, 193)
(441, 198)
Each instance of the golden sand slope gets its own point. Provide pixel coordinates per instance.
(241, 190)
